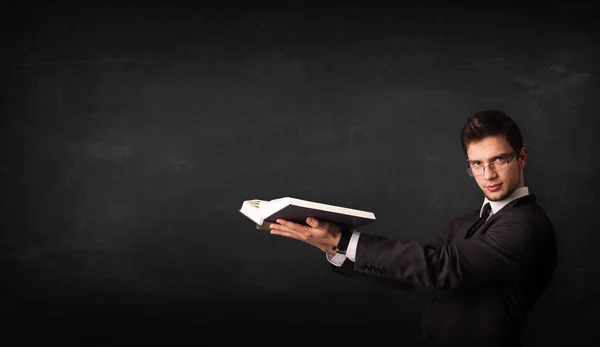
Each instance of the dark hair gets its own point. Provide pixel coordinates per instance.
(490, 123)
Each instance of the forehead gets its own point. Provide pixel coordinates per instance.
(488, 148)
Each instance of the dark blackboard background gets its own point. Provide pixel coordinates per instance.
(130, 136)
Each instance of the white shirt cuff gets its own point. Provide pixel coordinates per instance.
(351, 251)
(336, 260)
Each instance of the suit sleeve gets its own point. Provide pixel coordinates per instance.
(507, 251)
(347, 268)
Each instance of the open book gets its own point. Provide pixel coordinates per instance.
(297, 210)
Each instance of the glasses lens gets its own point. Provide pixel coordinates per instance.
(495, 167)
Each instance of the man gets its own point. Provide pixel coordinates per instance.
(489, 266)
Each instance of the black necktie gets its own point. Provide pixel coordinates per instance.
(487, 209)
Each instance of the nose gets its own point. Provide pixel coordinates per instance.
(489, 173)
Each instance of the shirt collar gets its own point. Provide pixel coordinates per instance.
(497, 205)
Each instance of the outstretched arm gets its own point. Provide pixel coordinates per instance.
(330, 235)
(508, 251)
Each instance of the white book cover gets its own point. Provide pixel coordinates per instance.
(297, 210)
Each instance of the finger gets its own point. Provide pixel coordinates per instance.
(317, 224)
(299, 228)
(288, 235)
(284, 229)
(313, 222)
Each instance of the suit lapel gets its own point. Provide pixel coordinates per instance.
(484, 227)
(462, 232)
(481, 230)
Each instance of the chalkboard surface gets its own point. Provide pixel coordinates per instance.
(131, 134)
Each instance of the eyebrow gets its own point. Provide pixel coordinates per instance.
(496, 156)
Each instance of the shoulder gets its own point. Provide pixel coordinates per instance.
(527, 213)
(527, 209)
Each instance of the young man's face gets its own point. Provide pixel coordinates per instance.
(497, 185)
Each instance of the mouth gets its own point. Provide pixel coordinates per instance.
(493, 187)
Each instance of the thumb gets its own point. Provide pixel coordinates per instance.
(312, 222)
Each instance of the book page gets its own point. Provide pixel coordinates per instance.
(252, 209)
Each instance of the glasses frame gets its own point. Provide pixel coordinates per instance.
(511, 156)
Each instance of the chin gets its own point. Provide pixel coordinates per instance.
(496, 196)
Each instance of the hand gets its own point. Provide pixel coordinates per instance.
(325, 248)
(316, 233)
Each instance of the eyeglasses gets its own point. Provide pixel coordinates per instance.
(500, 163)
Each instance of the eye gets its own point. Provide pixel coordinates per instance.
(475, 163)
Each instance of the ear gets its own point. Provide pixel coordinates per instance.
(523, 157)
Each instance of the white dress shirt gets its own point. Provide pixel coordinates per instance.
(496, 206)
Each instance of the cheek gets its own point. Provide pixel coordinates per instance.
(480, 181)
(513, 174)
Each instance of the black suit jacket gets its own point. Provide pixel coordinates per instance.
(483, 286)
